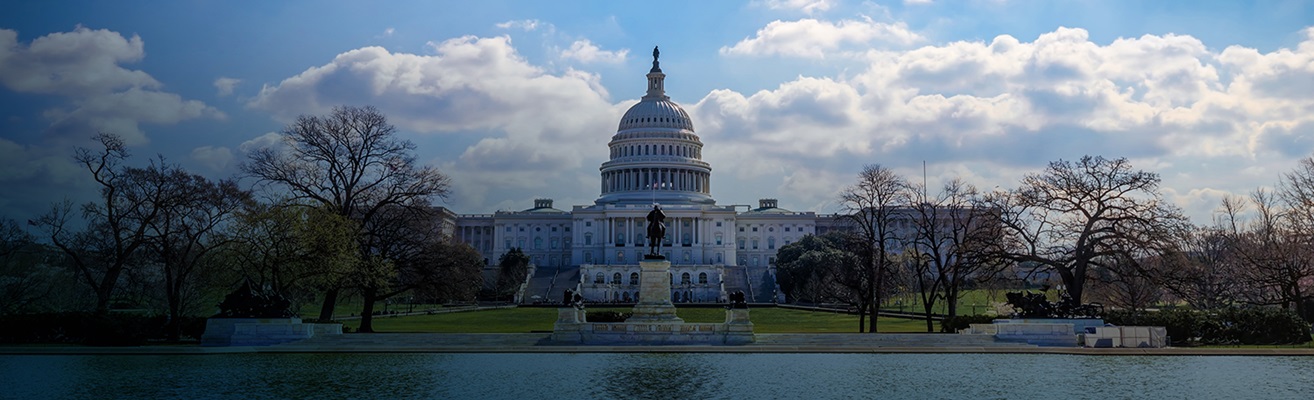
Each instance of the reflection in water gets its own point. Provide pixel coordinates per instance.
(656, 376)
(652, 376)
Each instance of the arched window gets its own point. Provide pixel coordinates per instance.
(588, 239)
(615, 278)
(718, 239)
(684, 278)
(538, 243)
(625, 297)
(620, 238)
(771, 243)
(598, 278)
(686, 239)
(754, 244)
(702, 278)
(588, 257)
(634, 278)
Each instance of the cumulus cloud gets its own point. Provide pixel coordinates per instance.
(1007, 106)
(586, 52)
(812, 38)
(539, 123)
(84, 66)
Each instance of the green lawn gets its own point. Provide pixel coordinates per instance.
(973, 302)
(521, 320)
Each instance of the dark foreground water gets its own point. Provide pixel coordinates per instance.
(655, 376)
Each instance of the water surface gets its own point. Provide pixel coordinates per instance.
(655, 376)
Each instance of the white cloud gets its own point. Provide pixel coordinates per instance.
(526, 25)
(83, 66)
(539, 124)
(588, 53)
(806, 6)
(992, 111)
(214, 158)
(812, 38)
(389, 32)
(225, 85)
(265, 141)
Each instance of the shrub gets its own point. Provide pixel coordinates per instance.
(115, 329)
(607, 316)
(1230, 326)
(961, 322)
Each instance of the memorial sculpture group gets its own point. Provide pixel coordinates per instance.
(653, 320)
(254, 317)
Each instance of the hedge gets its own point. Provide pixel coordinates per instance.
(1230, 326)
(86, 328)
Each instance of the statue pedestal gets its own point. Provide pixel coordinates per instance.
(654, 293)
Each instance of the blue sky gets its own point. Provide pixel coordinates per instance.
(517, 100)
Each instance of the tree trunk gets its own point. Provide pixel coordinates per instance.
(862, 316)
(330, 302)
(368, 296)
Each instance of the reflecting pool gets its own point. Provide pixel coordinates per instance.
(655, 376)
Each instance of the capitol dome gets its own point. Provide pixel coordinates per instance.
(655, 155)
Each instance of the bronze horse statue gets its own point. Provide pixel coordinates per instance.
(656, 230)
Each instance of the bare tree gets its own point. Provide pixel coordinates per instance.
(1273, 251)
(191, 213)
(1202, 271)
(1076, 216)
(950, 244)
(352, 163)
(116, 224)
(870, 206)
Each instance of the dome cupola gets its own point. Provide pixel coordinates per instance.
(655, 155)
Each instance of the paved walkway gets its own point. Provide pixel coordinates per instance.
(540, 343)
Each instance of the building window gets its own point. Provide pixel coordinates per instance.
(754, 244)
(588, 257)
(771, 229)
(771, 243)
(741, 244)
(598, 278)
(538, 229)
(508, 244)
(754, 229)
(567, 242)
(588, 223)
(634, 278)
(554, 243)
(684, 278)
(522, 229)
(538, 243)
(615, 278)
(567, 229)
(741, 229)
(718, 224)
(554, 229)
(688, 258)
(620, 238)
(786, 229)
(755, 261)
(520, 243)
(620, 256)
(588, 239)
(702, 278)
(718, 240)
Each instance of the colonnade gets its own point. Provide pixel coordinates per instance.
(656, 178)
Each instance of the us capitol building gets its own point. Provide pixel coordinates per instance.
(655, 157)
